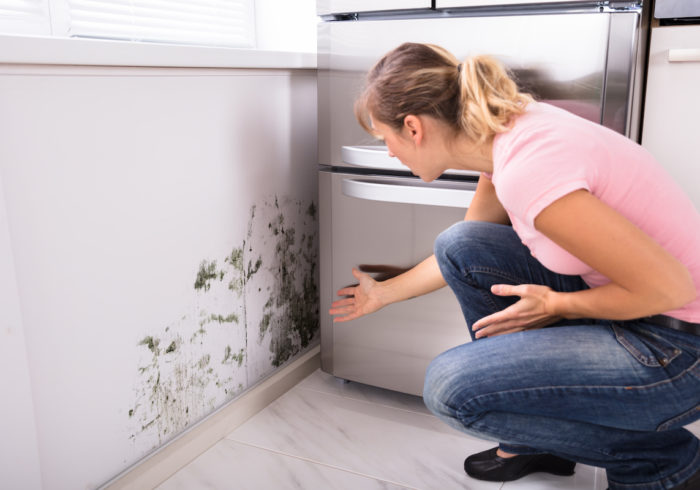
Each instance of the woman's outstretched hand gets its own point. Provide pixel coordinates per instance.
(359, 300)
(528, 313)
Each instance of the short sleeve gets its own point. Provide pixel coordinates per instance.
(541, 171)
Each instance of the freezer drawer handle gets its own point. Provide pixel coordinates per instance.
(370, 157)
(677, 55)
(408, 194)
(378, 157)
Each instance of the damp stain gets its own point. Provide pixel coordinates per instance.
(290, 315)
(207, 273)
(273, 267)
(230, 357)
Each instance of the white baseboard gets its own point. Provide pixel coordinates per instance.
(161, 465)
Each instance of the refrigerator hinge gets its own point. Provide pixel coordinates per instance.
(622, 4)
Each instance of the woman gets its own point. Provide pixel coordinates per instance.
(573, 227)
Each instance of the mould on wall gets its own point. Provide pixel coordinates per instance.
(266, 284)
(290, 315)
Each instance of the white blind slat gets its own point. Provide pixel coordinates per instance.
(156, 8)
(24, 17)
(209, 22)
(189, 37)
(215, 22)
(125, 17)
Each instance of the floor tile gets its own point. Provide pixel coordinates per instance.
(230, 465)
(585, 478)
(385, 443)
(321, 381)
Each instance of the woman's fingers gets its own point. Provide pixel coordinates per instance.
(528, 312)
(345, 318)
(356, 300)
(347, 291)
(343, 302)
(495, 318)
(345, 310)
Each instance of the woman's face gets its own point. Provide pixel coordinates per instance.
(409, 150)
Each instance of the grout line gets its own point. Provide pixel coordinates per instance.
(320, 463)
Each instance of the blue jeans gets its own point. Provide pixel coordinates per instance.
(610, 394)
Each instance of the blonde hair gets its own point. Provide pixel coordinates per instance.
(477, 97)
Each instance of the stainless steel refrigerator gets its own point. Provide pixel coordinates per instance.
(584, 56)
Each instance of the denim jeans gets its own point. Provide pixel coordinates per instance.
(612, 394)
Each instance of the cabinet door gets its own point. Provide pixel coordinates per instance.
(672, 106)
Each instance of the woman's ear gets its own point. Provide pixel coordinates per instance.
(413, 126)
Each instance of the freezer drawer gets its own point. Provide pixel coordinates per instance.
(561, 58)
(386, 221)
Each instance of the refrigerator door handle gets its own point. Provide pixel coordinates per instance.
(676, 55)
(444, 195)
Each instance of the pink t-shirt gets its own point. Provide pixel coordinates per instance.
(549, 153)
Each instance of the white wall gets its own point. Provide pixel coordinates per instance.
(286, 25)
(122, 186)
(19, 456)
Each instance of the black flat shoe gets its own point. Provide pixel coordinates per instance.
(489, 466)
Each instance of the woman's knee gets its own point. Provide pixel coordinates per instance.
(451, 240)
(463, 374)
(434, 388)
(464, 242)
(447, 382)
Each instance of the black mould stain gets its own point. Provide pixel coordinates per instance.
(207, 272)
(180, 383)
(311, 210)
(151, 343)
(230, 357)
(290, 315)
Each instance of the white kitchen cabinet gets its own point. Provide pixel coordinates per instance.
(671, 129)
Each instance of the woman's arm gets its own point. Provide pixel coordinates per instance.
(370, 295)
(645, 278)
(485, 205)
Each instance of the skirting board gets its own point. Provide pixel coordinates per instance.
(160, 466)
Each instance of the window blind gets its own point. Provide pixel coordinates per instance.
(209, 22)
(25, 17)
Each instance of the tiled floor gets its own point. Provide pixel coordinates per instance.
(326, 434)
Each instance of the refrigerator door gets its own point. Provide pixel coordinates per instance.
(392, 222)
(561, 58)
(326, 7)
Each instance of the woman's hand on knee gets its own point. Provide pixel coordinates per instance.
(528, 313)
